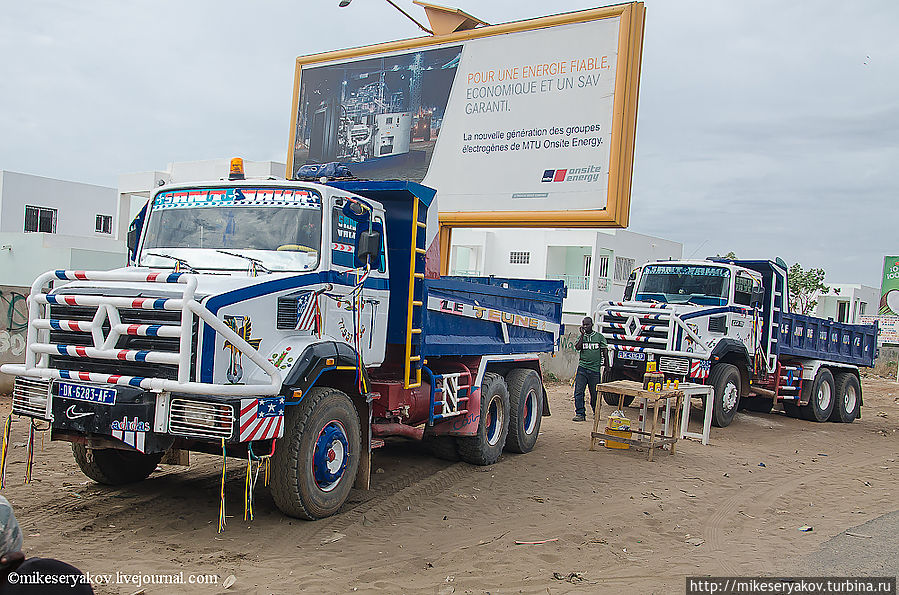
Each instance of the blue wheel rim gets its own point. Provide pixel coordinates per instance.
(329, 457)
(530, 412)
(494, 421)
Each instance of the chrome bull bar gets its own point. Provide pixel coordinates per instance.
(39, 348)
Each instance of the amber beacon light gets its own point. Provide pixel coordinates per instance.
(236, 169)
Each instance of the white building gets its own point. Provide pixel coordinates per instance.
(594, 264)
(847, 302)
(51, 224)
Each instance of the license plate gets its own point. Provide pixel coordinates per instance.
(83, 392)
(634, 355)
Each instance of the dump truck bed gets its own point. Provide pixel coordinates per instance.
(817, 338)
(490, 316)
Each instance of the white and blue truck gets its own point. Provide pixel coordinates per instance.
(290, 319)
(727, 323)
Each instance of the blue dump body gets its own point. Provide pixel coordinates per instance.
(458, 316)
(799, 335)
(811, 337)
(466, 315)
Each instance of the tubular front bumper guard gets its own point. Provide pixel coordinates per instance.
(39, 348)
(639, 317)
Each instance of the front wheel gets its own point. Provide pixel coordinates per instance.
(485, 447)
(315, 462)
(113, 466)
(725, 378)
(526, 408)
(848, 398)
(821, 400)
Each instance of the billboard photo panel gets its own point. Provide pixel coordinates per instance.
(528, 123)
(889, 286)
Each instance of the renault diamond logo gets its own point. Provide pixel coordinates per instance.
(72, 414)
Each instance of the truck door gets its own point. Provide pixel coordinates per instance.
(741, 318)
(365, 329)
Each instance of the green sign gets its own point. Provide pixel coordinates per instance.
(889, 287)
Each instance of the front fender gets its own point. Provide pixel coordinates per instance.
(317, 359)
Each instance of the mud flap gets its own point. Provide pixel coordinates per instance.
(363, 473)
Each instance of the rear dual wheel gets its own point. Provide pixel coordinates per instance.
(485, 447)
(821, 398)
(848, 398)
(525, 408)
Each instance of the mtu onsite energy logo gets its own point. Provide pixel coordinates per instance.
(588, 173)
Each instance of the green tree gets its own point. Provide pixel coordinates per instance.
(804, 285)
(730, 255)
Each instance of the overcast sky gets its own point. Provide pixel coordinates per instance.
(766, 128)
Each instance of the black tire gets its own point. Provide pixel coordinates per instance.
(611, 398)
(847, 398)
(725, 378)
(112, 466)
(821, 398)
(757, 404)
(525, 409)
(442, 447)
(315, 462)
(485, 447)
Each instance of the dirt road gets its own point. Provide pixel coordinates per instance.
(620, 523)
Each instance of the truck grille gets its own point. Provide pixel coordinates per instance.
(30, 396)
(674, 365)
(635, 331)
(135, 342)
(201, 419)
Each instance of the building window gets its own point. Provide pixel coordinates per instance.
(40, 219)
(623, 268)
(519, 257)
(588, 265)
(104, 224)
(861, 308)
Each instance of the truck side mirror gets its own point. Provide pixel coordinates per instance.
(368, 248)
(133, 235)
(758, 296)
(629, 288)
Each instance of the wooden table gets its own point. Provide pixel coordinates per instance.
(629, 388)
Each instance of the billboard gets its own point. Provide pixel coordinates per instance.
(888, 325)
(526, 124)
(889, 286)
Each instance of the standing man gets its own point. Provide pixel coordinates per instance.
(592, 346)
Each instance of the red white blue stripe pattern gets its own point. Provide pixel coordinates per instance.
(699, 368)
(307, 309)
(261, 419)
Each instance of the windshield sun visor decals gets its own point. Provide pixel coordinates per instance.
(218, 197)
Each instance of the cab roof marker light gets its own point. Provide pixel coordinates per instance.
(236, 169)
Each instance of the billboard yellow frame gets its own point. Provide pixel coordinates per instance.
(624, 117)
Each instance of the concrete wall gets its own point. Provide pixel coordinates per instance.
(76, 204)
(853, 294)
(562, 364)
(24, 256)
(13, 320)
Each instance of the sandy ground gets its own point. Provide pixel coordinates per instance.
(428, 526)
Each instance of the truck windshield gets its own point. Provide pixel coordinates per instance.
(681, 284)
(279, 227)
